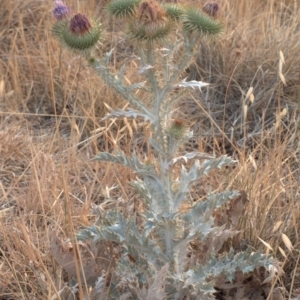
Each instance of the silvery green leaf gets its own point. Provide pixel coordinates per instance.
(211, 164)
(216, 200)
(186, 178)
(122, 72)
(126, 233)
(172, 67)
(144, 68)
(145, 246)
(130, 113)
(168, 105)
(110, 233)
(156, 286)
(108, 55)
(120, 158)
(165, 51)
(88, 233)
(205, 208)
(192, 84)
(126, 92)
(155, 145)
(191, 155)
(181, 250)
(166, 230)
(198, 280)
(197, 228)
(150, 225)
(119, 228)
(141, 187)
(111, 218)
(140, 261)
(196, 172)
(74, 289)
(160, 202)
(201, 228)
(101, 67)
(152, 191)
(135, 86)
(100, 284)
(115, 232)
(197, 215)
(232, 262)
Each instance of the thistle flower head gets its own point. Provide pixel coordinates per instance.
(149, 11)
(60, 10)
(197, 22)
(150, 22)
(78, 33)
(80, 24)
(211, 8)
(177, 129)
(122, 8)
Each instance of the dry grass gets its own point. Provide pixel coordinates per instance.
(50, 127)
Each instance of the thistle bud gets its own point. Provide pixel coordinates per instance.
(122, 8)
(177, 129)
(197, 22)
(150, 12)
(149, 162)
(60, 11)
(150, 22)
(211, 8)
(78, 33)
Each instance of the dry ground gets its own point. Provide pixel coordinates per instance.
(50, 111)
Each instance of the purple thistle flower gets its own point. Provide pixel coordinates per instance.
(60, 10)
(80, 24)
(211, 8)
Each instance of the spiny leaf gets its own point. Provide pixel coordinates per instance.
(192, 84)
(211, 164)
(130, 113)
(120, 158)
(156, 286)
(191, 155)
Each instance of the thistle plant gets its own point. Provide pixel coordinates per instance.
(157, 260)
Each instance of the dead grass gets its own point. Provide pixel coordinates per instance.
(50, 127)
